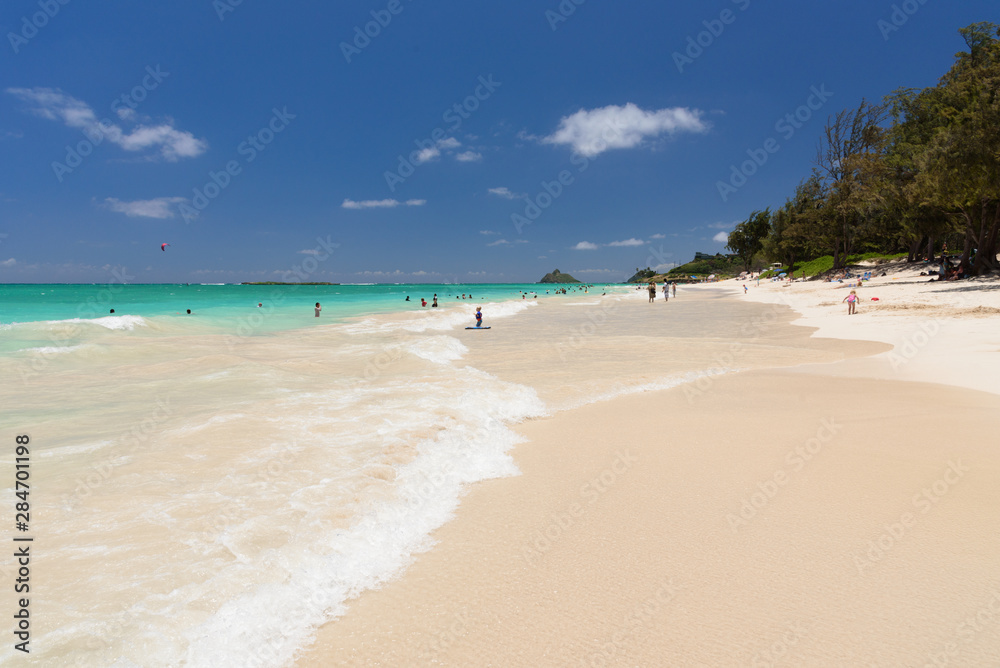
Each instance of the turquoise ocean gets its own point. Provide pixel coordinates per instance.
(226, 307)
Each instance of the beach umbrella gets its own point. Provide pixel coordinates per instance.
(782, 274)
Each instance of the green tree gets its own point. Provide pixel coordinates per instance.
(958, 168)
(848, 163)
(796, 228)
(748, 238)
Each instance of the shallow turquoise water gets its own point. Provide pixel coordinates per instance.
(217, 304)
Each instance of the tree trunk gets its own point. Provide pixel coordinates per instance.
(988, 239)
(966, 250)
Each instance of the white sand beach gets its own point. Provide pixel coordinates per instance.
(827, 498)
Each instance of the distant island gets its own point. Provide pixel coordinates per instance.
(281, 283)
(558, 277)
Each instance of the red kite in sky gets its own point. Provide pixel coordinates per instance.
(163, 247)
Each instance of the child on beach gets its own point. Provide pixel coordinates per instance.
(318, 309)
(479, 316)
(852, 302)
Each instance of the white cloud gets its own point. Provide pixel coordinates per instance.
(160, 207)
(53, 104)
(723, 226)
(380, 203)
(665, 267)
(370, 204)
(658, 236)
(427, 155)
(721, 237)
(505, 192)
(585, 245)
(627, 242)
(395, 274)
(8, 263)
(597, 271)
(504, 242)
(592, 132)
(488, 232)
(448, 144)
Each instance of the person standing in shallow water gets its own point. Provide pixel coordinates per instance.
(318, 309)
(652, 292)
(435, 301)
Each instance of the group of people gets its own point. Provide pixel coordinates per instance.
(951, 272)
(666, 290)
(434, 299)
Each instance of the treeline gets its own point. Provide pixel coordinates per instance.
(917, 170)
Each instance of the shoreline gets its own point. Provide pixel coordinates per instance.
(939, 330)
(646, 565)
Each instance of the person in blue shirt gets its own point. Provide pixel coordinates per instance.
(479, 316)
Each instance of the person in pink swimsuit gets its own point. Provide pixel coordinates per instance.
(852, 302)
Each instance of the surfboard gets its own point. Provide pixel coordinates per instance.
(477, 327)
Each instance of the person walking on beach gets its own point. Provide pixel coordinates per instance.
(318, 309)
(666, 291)
(674, 286)
(745, 288)
(852, 302)
(652, 292)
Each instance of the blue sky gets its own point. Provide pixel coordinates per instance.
(454, 142)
